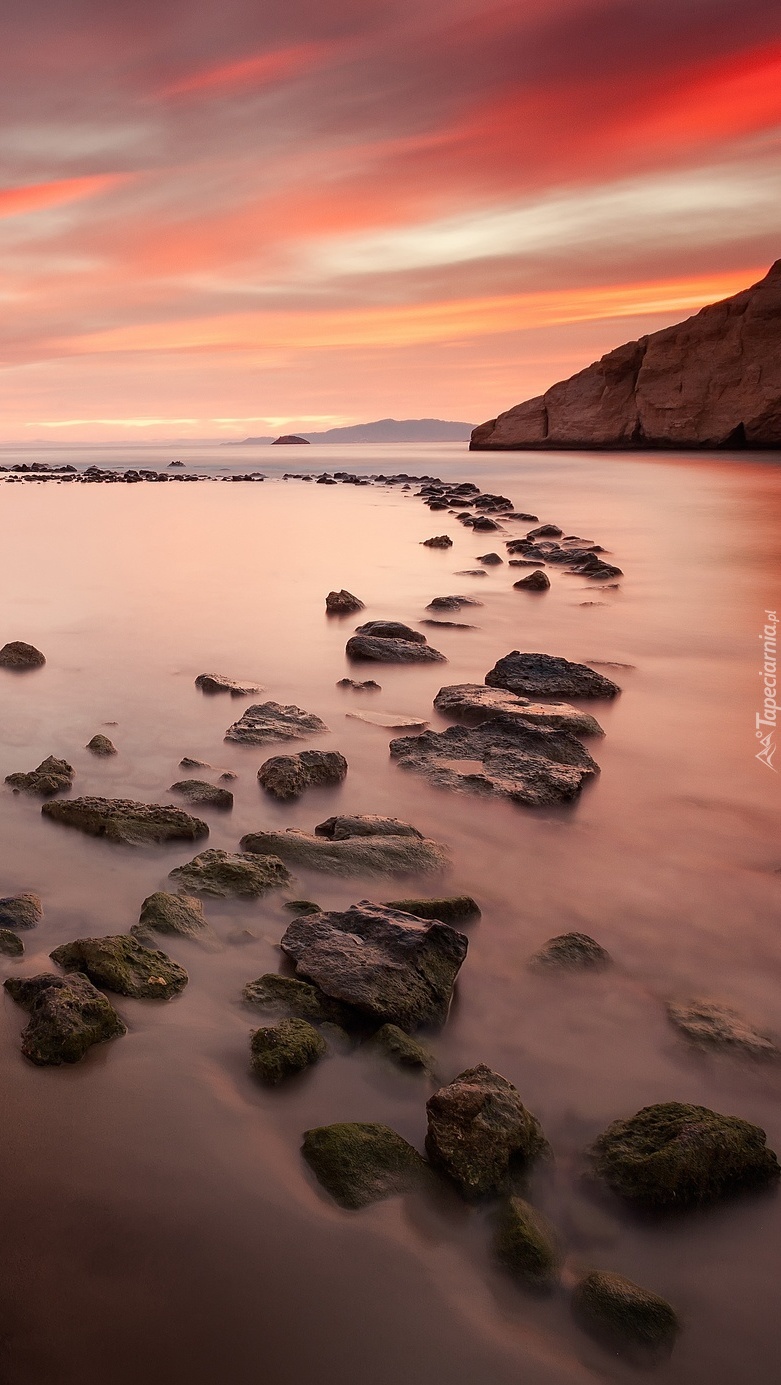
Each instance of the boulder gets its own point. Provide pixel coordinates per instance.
(286, 995)
(390, 630)
(712, 1025)
(490, 559)
(67, 1016)
(343, 603)
(288, 776)
(20, 911)
(218, 683)
(547, 675)
(451, 603)
(374, 649)
(465, 699)
(389, 966)
(180, 914)
(401, 1049)
(222, 874)
(51, 776)
(121, 963)
(362, 854)
(439, 541)
(537, 581)
(526, 1244)
(480, 1133)
(20, 656)
(360, 1163)
(545, 531)
(203, 794)
(101, 745)
(10, 944)
(674, 1155)
(484, 525)
(270, 721)
(121, 820)
(620, 1313)
(532, 765)
(355, 686)
(460, 908)
(571, 952)
(284, 1049)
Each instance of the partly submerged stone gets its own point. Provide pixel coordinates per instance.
(180, 914)
(218, 683)
(381, 650)
(346, 825)
(547, 675)
(67, 1016)
(284, 1049)
(360, 1163)
(288, 776)
(286, 995)
(677, 1155)
(389, 966)
(452, 603)
(526, 1244)
(20, 911)
(712, 1025)
(537, 581)
(203, 794)
(121, 963)
(10, 944)
(621, 1313)
(51, 776)
(466, 699)
(401, 1049)
(362, 854)
(480, 1133)
(301, 906)
(460, 908)
(390, 721)
(342, 603)
(390, 630)
(490, 559)
(571, 952)
(438, 541)
(266, 722)
(20, 656)
(533, 765)
(222, 873)
(101, 745)
(121, 820)
(356, 686)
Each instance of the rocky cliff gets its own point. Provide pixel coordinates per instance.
(712, 381)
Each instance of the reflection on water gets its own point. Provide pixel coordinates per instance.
(157, 1218)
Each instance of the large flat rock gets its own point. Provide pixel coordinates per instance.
(266, 722)
(381, 650)
(468, 699)
(122, 820)
(382, 853)
(547, 675)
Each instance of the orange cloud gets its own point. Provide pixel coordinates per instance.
(727, 98)
(34, 197)
(257, 70)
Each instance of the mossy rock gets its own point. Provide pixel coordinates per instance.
(676, 1155)
(460, 908)
(67, 1016)
(617, 1311)
(121, 963)
(360, 1163)
(402, 1050)
(122, 820)
(285, 1049)
(221, 873)
(182, 914)
(480, 1134)
(10, 945)
(571, 952)
(20, 911)
(286, 995)
(526, 1244)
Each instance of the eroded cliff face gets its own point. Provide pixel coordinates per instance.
(712, 381)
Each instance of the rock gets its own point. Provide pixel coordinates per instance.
(20, 911)
(390, 966)
(368, 686)
(390, 630)
(484, 525)
(361, 1163)
(270, 721)
(401, 1049)
(677, 1155)
(440, 541)
(362, 854)
(533, 765)
(619, 1312)
(339, 828)
(285, 1049)
(712, 1025)
(526, 1244)
(391, 721)
(711, 381)
(288, 996)
(537, 581)
(480, 1133)
(471, 572)
(121, 963)
(288, 776)
(490, 559)
(67, 1016)
(203, 795)
(221, 874)
(464, 699)
(546, 675)
(287, 438)
(51, 776)
(571, 952)
(187, 762)
(343, 603)
(101, 745)
(20, 656)
(545, 531)
(229, 776)
(386, 651)
(218, 683)
(460, 908)
(451, 603)
(121, 820)
(449, 624)
(301, 906)
(173, 913)
(10, 945)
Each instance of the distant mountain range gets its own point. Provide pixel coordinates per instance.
(383, 430)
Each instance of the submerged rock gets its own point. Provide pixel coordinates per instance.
(19, 656)
(101, 745)
(182, 914)
(270, 721)
(460, 908)
(360, 1163)
(284, 1049)
(677, 1155)
(203, 794)
(20, 911)
(390, 966)
(342, 603)
(121, 963)
(339, 828)
(526, 1244)
(532, 765)
(218, 683)
(121, 820)
(301, 906)
(546, 675)
(571, 952)
(221, 874)
(10, 945)
(439, 541)
(288, 776)
(451, 603)
(462, 699)
(376, 649)
(537, 581)
(390, 630)
(620, 1312)
(490, 559)
(286, 995)
(389, 721)
(187, 762)
(67, 1016)
(368, 686)
(712, 1025)
(480, 1133)
(362, 854)
(51, 776)
(401, 1049)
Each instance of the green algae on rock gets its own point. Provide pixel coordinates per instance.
(221, 874)
(401, 1049)
(526, 1244)
(67, 1016)
(460, 908)
(284, 1049)
(289, 996)
(20, 911)
(480, 1134)
(121, 963)
(122, 820)
(162, 912)
(10, 944)
(359, 1163)
(618, 1311)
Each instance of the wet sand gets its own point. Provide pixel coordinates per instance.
(158, 1219)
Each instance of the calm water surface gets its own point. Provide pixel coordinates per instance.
(158, 1222)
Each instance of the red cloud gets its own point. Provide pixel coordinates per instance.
(257, 70)
(33, 197)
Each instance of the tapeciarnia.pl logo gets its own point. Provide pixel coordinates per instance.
(767, 719)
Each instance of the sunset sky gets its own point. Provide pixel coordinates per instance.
(241, 218)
